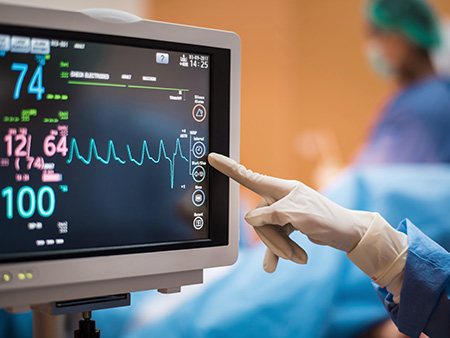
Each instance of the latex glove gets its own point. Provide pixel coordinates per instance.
(289, 205)
(370, 242)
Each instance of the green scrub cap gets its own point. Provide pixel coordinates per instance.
(413, 18)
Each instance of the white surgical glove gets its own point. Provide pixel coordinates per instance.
(289, 205)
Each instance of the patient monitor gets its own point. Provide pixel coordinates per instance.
(106, 121)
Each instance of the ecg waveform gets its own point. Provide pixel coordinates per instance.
(93, 154)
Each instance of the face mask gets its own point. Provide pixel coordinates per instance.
(377, 60)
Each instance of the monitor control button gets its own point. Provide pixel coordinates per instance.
(199, 149)
(162, 58)
(198, 198)
(20, 44)
(199, 113)
(198, 174)
(198, 223)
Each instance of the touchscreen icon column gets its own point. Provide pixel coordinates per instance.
(198, 163)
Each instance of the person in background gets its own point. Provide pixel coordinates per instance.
(414, 125)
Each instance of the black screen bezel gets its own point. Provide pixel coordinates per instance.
(219, 141)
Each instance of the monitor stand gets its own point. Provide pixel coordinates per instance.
(72, 319)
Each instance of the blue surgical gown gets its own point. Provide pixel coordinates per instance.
(425, 296)
(414, 126)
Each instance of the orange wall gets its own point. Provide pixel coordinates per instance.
(303, 71)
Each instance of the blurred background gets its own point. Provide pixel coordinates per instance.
(308, 93)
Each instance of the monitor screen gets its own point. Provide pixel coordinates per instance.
(104, 144)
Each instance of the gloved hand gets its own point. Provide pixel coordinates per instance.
(289, 205)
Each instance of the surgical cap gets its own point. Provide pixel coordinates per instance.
(412, 18)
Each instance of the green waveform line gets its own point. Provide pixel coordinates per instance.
(93, 153)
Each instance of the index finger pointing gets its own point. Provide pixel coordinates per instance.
(271, 188)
